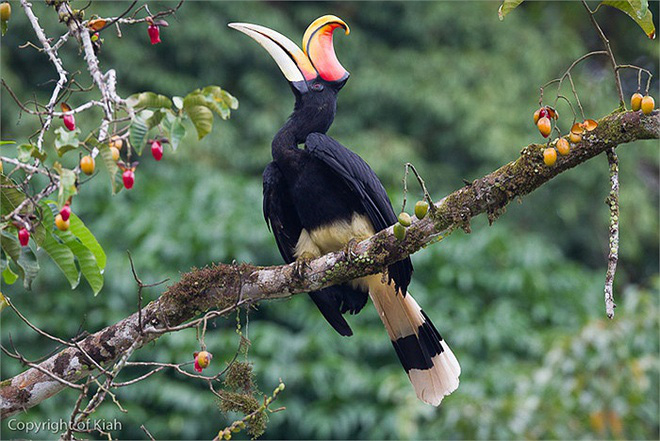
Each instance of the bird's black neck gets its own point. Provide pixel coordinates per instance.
(312, 113)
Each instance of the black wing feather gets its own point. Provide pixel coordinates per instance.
(367, 187)
(281, 217)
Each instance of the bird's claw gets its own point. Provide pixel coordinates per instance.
(301, 264)
(349, 251)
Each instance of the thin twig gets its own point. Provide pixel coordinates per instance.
(606, 43)
(613, 256)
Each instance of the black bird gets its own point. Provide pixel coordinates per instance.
(319, 198)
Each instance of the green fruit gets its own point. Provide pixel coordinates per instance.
(399, 231)
(405, 220)
(421, 208)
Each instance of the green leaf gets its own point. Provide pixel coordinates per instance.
(65, 140)
(640, 7)
(645, 20)
(8, 275)
(67, 184)
(4, 27)
(506, 7)
(194, 99)
(61, 254)
(111, 166)
(231, 101)
(7, 142)
(177, 133)
(10, 196)
(138, 131)
(149, 100)
(78, 228)
(202, 119)
(12, 248)
(86, 260)
(27, 151)
(28, 262)
(155, 119)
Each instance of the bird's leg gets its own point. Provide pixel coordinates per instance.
(301, 263)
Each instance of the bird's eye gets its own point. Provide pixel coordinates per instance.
(317, 87)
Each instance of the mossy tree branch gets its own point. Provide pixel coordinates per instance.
(222, 288)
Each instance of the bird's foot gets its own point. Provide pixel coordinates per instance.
(301, 264)
(349, 251)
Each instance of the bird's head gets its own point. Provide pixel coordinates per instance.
(314, 73)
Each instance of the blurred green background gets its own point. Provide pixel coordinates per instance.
(444, 85)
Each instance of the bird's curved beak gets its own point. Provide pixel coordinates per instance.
(318, 59)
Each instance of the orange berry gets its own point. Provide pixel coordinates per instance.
(61, 224)
(647, 105)
(563, 147)
(537, 115)
(544, 126)
(550, 156)
(636, 101)
(87, 165)
(575, 137)
(5, 11)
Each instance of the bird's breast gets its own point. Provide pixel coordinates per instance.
(333, 236)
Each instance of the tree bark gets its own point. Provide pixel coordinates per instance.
(226, 287)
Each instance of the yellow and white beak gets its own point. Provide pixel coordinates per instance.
(299, 67)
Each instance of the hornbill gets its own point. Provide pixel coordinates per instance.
(323, 197)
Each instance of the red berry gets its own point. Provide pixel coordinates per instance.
(154, 34)
(65, 212)
(69, 122)
(543, 112)
(129, 179)
(157, 150)
(23, 236)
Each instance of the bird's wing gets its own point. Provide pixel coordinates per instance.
(282, 218)
(280, 213)
(367, 188)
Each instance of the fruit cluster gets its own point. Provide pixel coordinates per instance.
(421, 208)
(542, 119)
(644, 103)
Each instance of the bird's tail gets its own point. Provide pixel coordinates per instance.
(430, 364)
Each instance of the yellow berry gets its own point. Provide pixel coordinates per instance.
(404, 219)
(575, 137)
(647, 105)
(115, 153)
(537, 115)
(204, 359)
(544, 126)
(421, 208)
(399, 231)
(563, 147)
(61, 224)
(636, 101)
(116, 142)
(550, 156)
(87, 165)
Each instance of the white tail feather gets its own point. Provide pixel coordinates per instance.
(403, 317)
